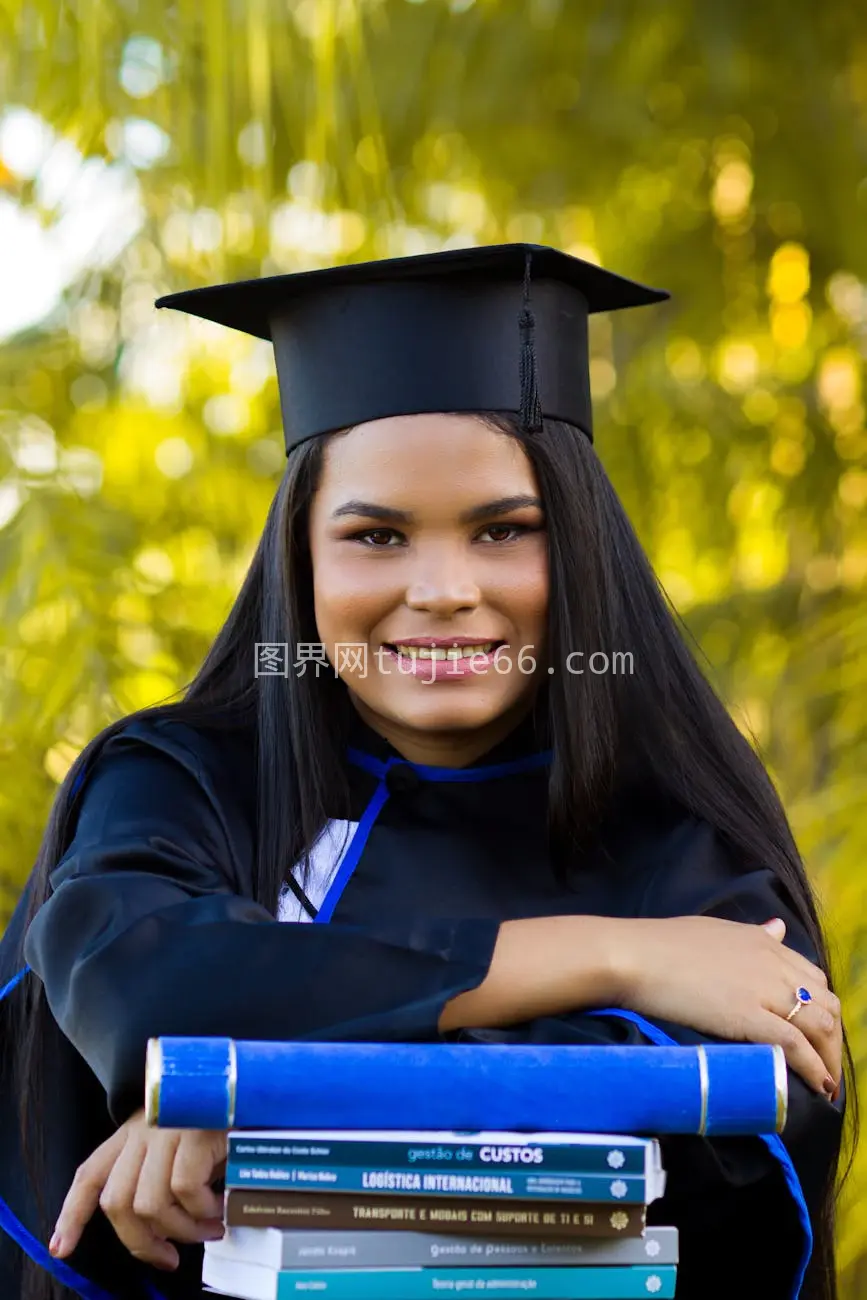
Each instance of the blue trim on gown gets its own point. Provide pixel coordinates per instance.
(33, 1247)
(376, 767)
(772, 1141)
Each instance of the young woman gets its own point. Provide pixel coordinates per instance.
(510, 796)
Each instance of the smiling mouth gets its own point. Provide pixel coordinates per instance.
(444, 652)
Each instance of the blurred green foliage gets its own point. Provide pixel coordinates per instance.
(719, 151)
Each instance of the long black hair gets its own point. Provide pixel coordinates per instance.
(604, 595)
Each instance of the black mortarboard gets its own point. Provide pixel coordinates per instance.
(502, 327)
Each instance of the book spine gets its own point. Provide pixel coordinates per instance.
(281, 1209)
(456, 1154)
(628, 1283)
(422, 1249)
(595, 1187)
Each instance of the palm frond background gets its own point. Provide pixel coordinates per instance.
(719, 151)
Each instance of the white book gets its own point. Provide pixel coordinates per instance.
(291, 1249)
(433, 1137)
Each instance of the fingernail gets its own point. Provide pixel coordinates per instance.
(54, 1244)
(829, 1086)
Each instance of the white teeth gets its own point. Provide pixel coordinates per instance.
(443, 652)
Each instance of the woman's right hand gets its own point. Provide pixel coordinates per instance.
(154, 1187)
(734, 981)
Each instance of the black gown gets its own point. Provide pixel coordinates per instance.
(151, 930)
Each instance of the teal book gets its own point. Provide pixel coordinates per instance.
(570, 1153)
(254, 1282)
(635, 1189)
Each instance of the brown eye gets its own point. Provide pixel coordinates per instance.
(514, 529)
(377, 537)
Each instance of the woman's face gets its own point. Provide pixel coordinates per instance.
(427, 537)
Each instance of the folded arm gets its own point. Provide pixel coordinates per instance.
(146, 934)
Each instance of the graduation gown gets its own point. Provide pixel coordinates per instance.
(151, 930)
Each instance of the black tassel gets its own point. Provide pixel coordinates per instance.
(531, 407)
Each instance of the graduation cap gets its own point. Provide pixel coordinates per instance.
(502, 327)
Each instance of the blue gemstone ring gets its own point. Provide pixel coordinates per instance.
(802, 997)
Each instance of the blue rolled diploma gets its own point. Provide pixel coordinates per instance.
(221, 1083)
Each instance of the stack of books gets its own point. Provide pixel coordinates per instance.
(390, 1215)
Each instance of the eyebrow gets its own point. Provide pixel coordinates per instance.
(387, 514)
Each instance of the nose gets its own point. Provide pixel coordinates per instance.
(443, 584)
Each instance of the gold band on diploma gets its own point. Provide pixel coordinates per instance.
(153, 1080)
(704, 1082)
(231, 1084)
(781, 1085)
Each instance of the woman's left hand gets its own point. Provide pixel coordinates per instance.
(152, 1184)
